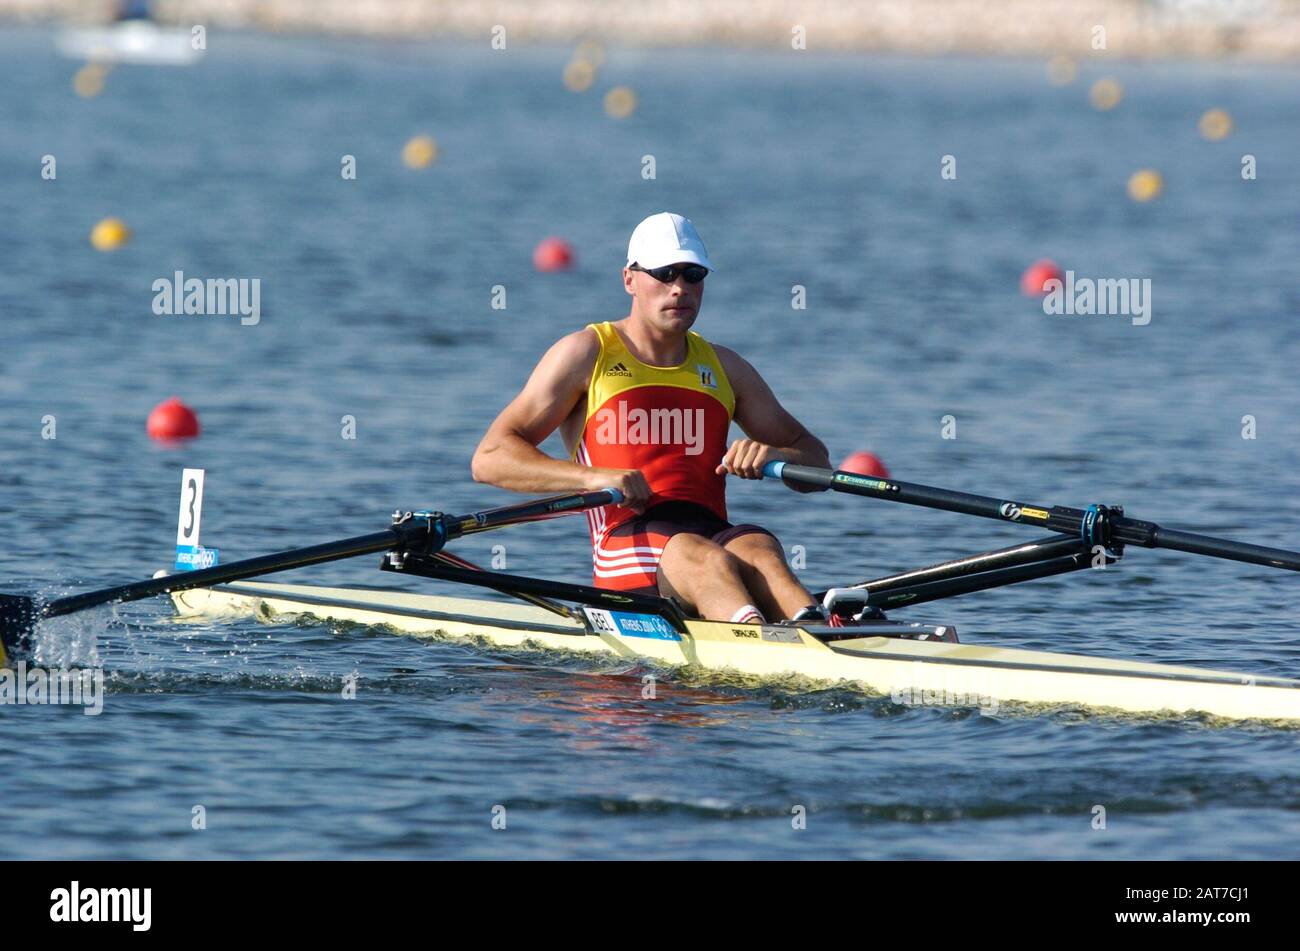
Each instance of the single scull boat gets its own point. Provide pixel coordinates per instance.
(915, 662)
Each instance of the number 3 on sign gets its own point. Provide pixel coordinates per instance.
(189, 553)
(187, 526)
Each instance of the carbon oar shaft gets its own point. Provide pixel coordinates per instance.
(234, 571)
(424, 531)
(1097, 524)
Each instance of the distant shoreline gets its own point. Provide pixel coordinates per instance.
(1133, 29)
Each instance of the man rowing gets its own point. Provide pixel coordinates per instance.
(644, 405)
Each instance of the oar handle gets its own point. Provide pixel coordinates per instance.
(459, 525)
(793, 474)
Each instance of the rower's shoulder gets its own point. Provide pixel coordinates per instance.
(724, 353)
(733, 364)
(572, 358)
(581, 346)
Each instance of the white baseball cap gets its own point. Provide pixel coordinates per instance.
(666, 238)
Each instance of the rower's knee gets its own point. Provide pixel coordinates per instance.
(770, 554)
(760, 551)
(718, 559)
(690, 561)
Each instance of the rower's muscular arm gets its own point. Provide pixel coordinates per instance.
(774, 432)
(508, 455)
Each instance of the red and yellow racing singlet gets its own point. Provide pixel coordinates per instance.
(671, 423)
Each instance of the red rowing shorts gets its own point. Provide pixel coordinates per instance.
(628, 557)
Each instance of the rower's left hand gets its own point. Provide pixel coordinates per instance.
(746, 458)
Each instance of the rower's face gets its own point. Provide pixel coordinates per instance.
(670, 307)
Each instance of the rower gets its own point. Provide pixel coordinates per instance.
(644, 405)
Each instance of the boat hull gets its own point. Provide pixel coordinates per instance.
(921, 672)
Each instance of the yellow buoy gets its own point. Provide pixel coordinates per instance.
(89, 80)
(589, 51)
(1105, 94)
(1061, 70)
(110, 234)
(420, 152)
(1145, 184)
(620, 102)
(1216, 124)
(579, 75)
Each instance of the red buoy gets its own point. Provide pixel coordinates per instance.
(553, 254)
(1038, 274)
(172, 420)
(866, 464)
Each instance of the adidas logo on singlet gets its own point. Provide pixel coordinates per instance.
(618, 369)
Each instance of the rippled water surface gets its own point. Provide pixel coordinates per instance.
(376, 298)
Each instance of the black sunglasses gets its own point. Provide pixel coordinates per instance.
(694, 273)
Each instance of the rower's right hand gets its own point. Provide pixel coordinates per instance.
(633, 485)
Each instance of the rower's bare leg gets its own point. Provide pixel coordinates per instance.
(767, 576)
(703, 576)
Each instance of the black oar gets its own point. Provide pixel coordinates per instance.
(423, 532)
(1097, 525)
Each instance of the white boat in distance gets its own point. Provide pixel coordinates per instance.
(140, 42)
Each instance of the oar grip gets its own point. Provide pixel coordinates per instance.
(615, 496)
(792, 474)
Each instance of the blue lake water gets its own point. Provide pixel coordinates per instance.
(376, 300)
